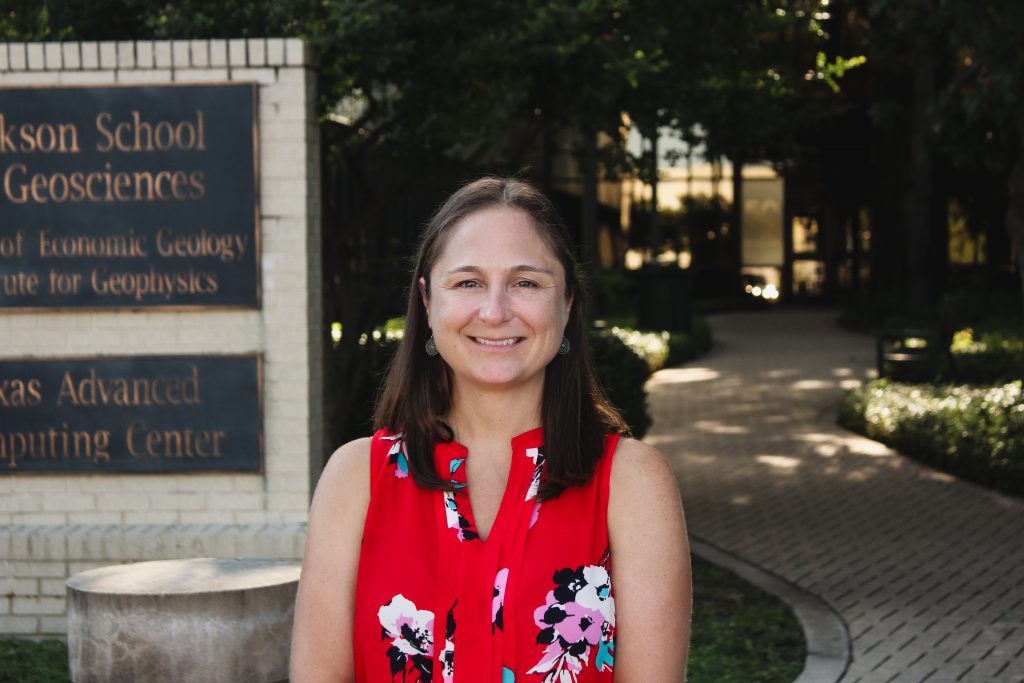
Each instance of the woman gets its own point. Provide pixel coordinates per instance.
(499, 526)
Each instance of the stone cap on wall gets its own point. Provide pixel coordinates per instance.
(155, 54)
(134, 542)
(189, 576)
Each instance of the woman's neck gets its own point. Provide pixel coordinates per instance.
(482, 417)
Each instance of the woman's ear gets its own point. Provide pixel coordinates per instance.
(425, 297)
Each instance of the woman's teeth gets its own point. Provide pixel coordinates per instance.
(495, 342)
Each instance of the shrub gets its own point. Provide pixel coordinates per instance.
(622, 373)
(665, 349)
(988, 357)
(652, 347)
(974, 432)
(684, 347)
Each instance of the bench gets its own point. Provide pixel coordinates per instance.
(920, 353)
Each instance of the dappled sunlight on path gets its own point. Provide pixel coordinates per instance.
(927, 571)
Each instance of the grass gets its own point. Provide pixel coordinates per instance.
(26, 661)
(740, 635)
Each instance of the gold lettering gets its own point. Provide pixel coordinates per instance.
(37, 186)
(92, 389)
(44, 137)
(100, 120)
(19, 393)
(173, 443)
(67, 390)
(54, 444)
(22, 195)
(190, 388)
(19, 284)
(28, 139)
(13, 247)
(130, 438)
(196, 180)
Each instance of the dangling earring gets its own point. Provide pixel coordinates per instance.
(564, 347)
(431, 347)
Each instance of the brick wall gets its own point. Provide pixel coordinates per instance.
(214, 511)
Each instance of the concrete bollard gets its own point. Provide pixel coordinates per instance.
(182, 621)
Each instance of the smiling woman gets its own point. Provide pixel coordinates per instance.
(497, 303)
(541, 541)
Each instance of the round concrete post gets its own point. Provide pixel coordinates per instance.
(182, 621)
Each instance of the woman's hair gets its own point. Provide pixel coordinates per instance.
(418, 390)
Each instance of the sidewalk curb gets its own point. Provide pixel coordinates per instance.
(828, 639)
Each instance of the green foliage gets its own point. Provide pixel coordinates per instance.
(832, 72)
(374, 352)
(740, 633)
(987, 357)
(622, 373)
(47, 20)
(973, 432)
(684, 347)
(652, 347)
(614, 293)
(664, 349)
(27, 661)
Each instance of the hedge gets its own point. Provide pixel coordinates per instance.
(623, 359)
(973, 432)
(622, 373)
(987, 357)
(665, 349)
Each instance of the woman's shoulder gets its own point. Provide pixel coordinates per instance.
(347, 472)
(640, 471)
(636, 458)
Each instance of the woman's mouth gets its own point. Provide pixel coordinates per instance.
(508, 341)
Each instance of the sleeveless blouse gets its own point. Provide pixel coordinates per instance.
(531, 603)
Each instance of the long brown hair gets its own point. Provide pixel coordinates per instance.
(576, 415)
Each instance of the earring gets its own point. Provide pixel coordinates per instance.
(564, 347)
(431, 347)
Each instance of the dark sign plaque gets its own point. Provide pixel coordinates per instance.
(128, 197)
(131, 414)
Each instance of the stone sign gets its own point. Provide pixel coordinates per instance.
(132, 414)
(128, 197)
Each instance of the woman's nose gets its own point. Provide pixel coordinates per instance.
(495, 307)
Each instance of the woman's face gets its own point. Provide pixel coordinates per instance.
(497, 304)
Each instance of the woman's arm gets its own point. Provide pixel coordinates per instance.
(651, 567)
(325, 604)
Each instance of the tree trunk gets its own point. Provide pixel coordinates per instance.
(655, 229)
(1015, 198)
(918, 199)
(736, 227)
(589, 226)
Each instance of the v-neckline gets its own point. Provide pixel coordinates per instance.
(517, 484)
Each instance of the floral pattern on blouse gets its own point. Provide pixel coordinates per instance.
(448, 653)
(397, 457)
(498, 600)
(537, 456)
(455, 519)
(577, 617)
(412, 638)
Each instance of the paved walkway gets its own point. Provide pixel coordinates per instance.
(926, 570)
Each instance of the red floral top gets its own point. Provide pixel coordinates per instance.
(531, 603)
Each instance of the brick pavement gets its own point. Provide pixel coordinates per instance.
(926, 570)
